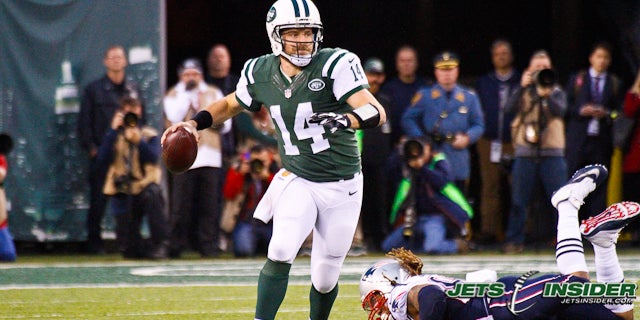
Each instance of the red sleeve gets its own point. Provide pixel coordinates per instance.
(3, 162)
(233, 184)
(631, 104)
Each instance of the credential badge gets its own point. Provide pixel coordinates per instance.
(316, 85)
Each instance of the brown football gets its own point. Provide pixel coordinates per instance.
(179, 150)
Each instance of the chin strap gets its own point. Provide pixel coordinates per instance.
(298, 61)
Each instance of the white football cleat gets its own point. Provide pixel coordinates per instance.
(603, 229)
(583, 182)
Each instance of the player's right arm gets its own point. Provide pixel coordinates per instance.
(218, 112)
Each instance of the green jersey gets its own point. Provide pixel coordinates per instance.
(307, 149)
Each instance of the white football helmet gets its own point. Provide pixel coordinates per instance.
(287, 14)
(376, 284)
(382, 275)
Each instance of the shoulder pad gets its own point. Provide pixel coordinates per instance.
(251, 67)
(330, 59)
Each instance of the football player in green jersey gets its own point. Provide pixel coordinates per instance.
(316, 98)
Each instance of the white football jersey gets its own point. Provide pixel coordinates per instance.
(397, 301)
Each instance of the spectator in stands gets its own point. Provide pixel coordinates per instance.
(538, 136)
(402, 88)
(592, 96)
(219, 75)
(196, 194)
(100, 100)
(246, 183)
(7, 248)
(494, 88)
(219, 69)
(450, 114)
(131, 152)
(243, 128)
(431, 203)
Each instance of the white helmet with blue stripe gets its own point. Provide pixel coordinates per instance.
(287, 14)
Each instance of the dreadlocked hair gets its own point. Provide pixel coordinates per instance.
(407, 260)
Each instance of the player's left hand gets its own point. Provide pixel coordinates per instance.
(331, 121)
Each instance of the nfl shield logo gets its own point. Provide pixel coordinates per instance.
(287, 93)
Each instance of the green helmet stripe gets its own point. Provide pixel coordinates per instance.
(306, 8)
(296, 9)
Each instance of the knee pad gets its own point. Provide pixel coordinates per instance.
(432, 302)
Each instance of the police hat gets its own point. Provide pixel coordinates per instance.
(446, 60)
(374, 65)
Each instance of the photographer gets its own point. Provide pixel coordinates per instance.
(246, 183)
(131, 150)
(537, 132)
(432, 204)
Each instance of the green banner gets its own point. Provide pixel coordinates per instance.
(49, 51)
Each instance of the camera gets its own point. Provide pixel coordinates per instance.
(414, 148)
(191, 84)
(545, 78)
(6, 144)
(256, 165)
(130, 120)
(123, 183)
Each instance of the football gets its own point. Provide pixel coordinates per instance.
(179, 150)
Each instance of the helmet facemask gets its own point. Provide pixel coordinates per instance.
(298, 59)
(375, 302)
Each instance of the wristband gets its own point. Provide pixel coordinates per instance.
(368, 116)
(203, 119)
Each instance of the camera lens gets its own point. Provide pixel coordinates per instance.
(256, 165)
(546, 78)
(130, 119)
(413, 149)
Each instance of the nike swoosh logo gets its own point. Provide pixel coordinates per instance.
(351, 60)
(594, 172)
(352, 193)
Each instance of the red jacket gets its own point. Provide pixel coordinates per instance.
(237, 183)
(632, 156)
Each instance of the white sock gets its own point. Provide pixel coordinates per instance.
(569, 250)
(608, 268)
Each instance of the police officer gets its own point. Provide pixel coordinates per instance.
(449, 113)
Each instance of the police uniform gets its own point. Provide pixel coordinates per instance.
(440, 114)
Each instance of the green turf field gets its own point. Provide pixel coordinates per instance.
(79, 287)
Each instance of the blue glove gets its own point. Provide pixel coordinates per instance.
(331, 121)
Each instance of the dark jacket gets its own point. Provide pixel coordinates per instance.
(488, 89)
(100, 100)
(579, 94)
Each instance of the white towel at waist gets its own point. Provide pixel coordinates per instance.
(264, 210)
